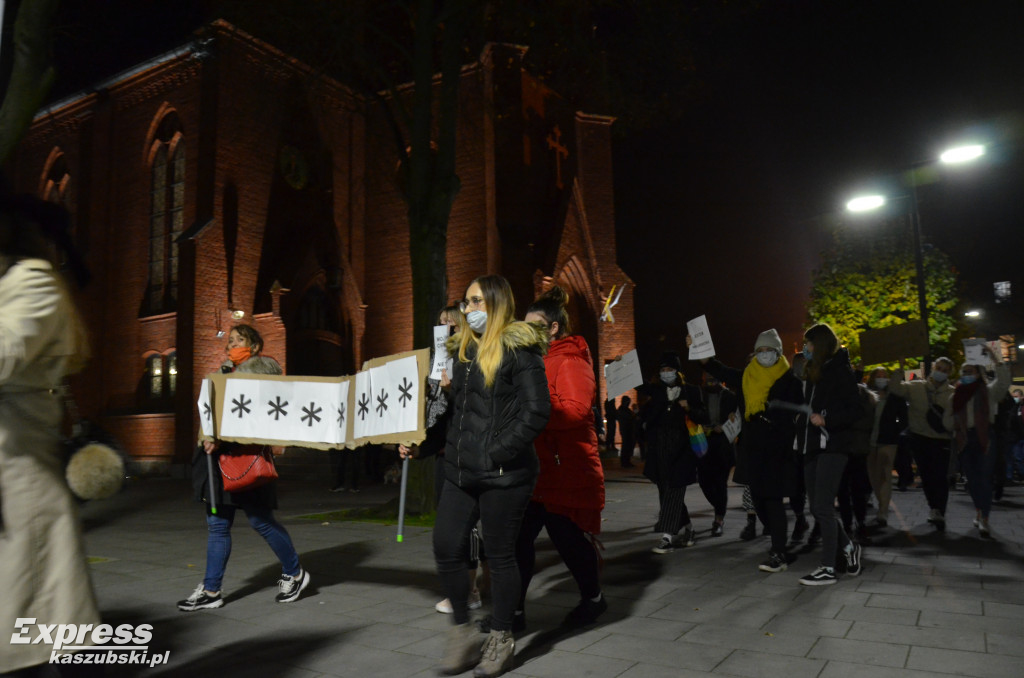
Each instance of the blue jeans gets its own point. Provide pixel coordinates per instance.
(977, 463)
(218, 542)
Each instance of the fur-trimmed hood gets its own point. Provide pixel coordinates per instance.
(257, 364)
(516, 335)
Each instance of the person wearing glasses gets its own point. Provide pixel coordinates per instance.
(499, 404)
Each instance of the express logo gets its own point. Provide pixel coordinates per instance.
(89, 643)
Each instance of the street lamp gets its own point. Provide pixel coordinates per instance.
(866, 203)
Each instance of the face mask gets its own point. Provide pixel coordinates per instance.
(239, 354)
(808, 354)
(882, 383)
(968, 379)
(477, 321)
(939, 377)
(668, 377)
(766, 358)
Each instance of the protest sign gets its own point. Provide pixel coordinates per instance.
(623, 375)
(701, 346)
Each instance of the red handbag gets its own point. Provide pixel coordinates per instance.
(247, 467)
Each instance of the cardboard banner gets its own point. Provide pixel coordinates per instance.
(384, 403)
(889, 344)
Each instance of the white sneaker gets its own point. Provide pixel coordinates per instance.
(445, 606)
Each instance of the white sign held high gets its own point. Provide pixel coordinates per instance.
(701, 346)
(623, 374)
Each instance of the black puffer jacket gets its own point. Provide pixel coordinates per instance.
(835, 397)
(491, 434)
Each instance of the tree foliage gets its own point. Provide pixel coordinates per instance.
(868, 280)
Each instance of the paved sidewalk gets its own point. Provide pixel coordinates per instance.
(927, 604)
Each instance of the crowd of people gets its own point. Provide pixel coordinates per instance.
(516, 432)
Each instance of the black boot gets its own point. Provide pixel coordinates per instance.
(750, 531)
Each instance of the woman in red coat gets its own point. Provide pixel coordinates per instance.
(569, 494)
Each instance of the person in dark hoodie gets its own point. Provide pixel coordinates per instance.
(671, 462)
(499, 404)
(243, 348)
(824, 436)
(765, 458)
(569, 495)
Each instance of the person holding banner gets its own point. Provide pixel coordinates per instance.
(499, 404)
(243, 349)
(671, 461)
(765, 459)
(569, 495)
(971, 417)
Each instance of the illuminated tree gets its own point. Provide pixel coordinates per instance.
(867, 280)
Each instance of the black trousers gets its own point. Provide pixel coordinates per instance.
(853, 491)
(713, 478)
(932, 457)
(500, 512)
(577, 552)
(772, 513)
(628, 443)
(904, 462)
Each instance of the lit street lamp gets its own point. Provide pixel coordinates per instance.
(866, 203)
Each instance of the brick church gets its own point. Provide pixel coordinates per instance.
(225, 182)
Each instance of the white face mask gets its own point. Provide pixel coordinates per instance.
(939, 377)
(766, 358)
(882, 383)
(668, 377)
(477, 321)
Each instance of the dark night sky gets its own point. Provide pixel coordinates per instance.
(721, 212)
(725, 211)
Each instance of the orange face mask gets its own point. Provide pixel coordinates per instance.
(239, 354)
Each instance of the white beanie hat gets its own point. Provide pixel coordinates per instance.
(771, 339)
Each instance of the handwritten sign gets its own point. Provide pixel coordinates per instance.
(974, 352)
(622, 375)
(732, 426)
(441, 359)
(701, 346)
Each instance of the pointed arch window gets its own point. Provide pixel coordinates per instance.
(167, 214)
(56, 180)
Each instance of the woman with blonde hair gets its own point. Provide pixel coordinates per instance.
(499, 404)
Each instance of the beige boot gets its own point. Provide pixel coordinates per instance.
(462, 648)
(498, 655)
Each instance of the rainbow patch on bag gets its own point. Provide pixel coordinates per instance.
(698, 441)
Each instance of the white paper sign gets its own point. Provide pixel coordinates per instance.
(732, 426)
(973, 354)
(205, 404)
(441, 359)
(701, 346)
(363, 422)
(623, 375)
(293, 410)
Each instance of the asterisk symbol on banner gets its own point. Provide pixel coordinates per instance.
(312, 412)
(277, 409)
(364, 406)
(241, 405)
(382, 403)
(405, 388)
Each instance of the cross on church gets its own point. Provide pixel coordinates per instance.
(554, 140)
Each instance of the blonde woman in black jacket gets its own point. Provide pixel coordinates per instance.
(499, 404)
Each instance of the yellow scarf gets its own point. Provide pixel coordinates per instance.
(756, 382)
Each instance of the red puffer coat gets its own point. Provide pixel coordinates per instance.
(571, 480)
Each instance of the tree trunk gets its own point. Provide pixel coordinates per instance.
(31, 74)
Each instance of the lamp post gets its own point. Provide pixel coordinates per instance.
(866, 203)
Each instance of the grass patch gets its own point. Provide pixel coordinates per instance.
(369, 515)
